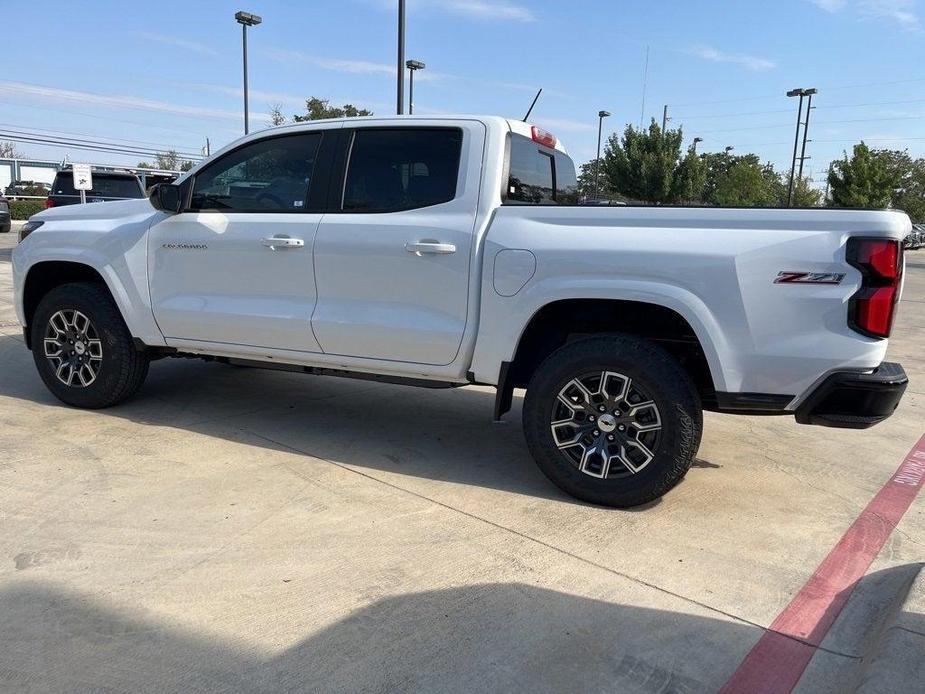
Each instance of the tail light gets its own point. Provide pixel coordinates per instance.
(871, 309)
(542, 137)
(49, 203)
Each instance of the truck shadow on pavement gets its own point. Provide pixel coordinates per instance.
(444, 435)
(490, 637)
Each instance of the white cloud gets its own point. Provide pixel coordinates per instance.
(488, 9)
(70, 96)
(749, 62)
(902, 12)
(829, 5)
(178, 43)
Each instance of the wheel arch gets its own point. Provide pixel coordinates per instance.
(46, 275)
(560, 322)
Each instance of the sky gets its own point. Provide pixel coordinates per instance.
(167, 75)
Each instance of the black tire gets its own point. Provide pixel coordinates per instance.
(661, 380)
(122, 368)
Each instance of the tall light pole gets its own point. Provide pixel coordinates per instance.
(246, 19)
(809, 107)
(400, 95)
(729, 149)
(694, 146)
(413, 66)
(800, 92)
(601, 115)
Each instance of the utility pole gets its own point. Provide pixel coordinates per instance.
(664, 119)
(208, 148)
(400, 95)
(809, 108)
(601, 115)
(796, 141)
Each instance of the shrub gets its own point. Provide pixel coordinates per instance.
(23, 209)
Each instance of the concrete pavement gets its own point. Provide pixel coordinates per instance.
(244, 530)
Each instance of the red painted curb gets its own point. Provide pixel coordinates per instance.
(776, 663)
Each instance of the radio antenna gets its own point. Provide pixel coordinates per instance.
(535, 99)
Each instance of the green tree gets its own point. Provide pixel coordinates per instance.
(593, 183)
(747, 183)
(862, 180)
(690, 178)
(908, 176)
(646, 165)
(804, 195)
(318, 109)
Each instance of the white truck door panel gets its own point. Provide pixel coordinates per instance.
(393, 285)
(236, 267)
(214, 278)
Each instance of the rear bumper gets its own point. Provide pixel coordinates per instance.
(855, 400)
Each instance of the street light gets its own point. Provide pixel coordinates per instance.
(729, 149)
(601, 115)
(694, 146)
(246, 19)
(413, 66)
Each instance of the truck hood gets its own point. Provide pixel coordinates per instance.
(117, 209)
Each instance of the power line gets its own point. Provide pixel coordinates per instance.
(38, 140)
(102, 143)
(160, 145)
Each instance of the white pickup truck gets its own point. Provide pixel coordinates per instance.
(449, 251)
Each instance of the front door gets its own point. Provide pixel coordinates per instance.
(392, 262)
(235, 267)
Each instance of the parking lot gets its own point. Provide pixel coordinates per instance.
(233, 529)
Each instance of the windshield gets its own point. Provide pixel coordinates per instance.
(104, 186)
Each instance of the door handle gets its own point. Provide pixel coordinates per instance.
(430, 247)
(277, 243)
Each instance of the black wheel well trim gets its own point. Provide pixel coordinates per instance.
(46, 275)
(514, 373)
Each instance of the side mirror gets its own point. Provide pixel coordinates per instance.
(166, 197)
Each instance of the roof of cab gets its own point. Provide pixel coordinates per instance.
(516, 126)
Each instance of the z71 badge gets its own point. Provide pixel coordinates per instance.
(786, 277)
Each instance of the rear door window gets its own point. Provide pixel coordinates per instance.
(402, 169)
(539, 175)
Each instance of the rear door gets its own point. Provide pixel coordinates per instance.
(392, 256)
(235, 267)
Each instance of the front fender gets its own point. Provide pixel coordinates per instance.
(118, 255)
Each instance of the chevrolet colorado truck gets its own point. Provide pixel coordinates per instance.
(442, 252)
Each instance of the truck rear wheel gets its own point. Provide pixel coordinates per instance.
(83, 349)
(612, 420)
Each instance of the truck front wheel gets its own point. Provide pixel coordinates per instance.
(83, 349)
(613, 420)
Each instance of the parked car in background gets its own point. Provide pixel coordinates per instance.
(34, 188)
(918, 236)
(107, 185)
(5, 223)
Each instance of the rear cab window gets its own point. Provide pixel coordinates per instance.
(104, 185)
(538, 175)
(398, 169)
